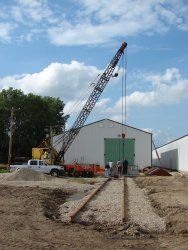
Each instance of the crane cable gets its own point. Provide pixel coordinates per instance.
(123, 65)
(88, 91)
(75, 106)
(124, 93)
(82, 97)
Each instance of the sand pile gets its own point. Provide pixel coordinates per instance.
(25, 174)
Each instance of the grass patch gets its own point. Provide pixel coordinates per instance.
(3, 170)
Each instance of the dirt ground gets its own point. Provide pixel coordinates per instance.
(29, 219)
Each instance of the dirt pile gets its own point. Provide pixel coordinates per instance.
(32, 213)
(27, 175)
(156, 171)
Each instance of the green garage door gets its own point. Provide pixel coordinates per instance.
(118, 149)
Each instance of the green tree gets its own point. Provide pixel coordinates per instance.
(33, 114)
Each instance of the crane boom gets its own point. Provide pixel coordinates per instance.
(90, 103)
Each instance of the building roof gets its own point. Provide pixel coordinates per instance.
(173, 141)
(117, 123)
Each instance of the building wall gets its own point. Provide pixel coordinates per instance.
(173, 155)
(88, 147)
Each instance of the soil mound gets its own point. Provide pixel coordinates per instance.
(155, 171)
(27, 175)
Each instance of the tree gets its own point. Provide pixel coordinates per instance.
(33, 114)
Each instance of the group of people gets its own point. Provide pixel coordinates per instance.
(118, 169)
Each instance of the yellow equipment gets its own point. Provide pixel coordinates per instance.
(45, 152)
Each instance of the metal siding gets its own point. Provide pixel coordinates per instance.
(88, 147)
(173, 155)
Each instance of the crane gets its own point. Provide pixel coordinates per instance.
(90, 103)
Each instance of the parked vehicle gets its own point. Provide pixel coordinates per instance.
(40, 166)
(83, 170)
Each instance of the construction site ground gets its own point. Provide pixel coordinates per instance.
(29, 215)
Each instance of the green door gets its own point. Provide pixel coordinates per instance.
(118, 149)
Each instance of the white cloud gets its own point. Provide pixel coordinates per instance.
(5, 30)
(168, 88)
(70, 82)
(17, 14)
(165, 89)
(75, 106)
(66, 81)
(99, 22)
(154, 132)
(37, 10)
(102, 104)
(93, 22)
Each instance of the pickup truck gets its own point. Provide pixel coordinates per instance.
(40, 166)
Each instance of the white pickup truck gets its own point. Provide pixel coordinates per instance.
(40, 166)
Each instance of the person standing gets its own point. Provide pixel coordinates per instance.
(125, 166)
(107, 170)
(119, 165)
(111, 166)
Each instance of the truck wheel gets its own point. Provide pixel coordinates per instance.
(54, 173)
(90, 174)
(76, 174)
(70, 174)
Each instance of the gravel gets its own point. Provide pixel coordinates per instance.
(106, 208)
(140, 210)
(25, 174)
(35, 179)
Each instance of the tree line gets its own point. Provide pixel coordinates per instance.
(33, 115)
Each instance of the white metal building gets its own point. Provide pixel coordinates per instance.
(173, 155)
(101, 141)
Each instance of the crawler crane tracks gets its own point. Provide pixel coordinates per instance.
(105, 200)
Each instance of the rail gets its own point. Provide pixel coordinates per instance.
(73, 215)
(96, 192)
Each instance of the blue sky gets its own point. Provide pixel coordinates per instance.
(58, 47)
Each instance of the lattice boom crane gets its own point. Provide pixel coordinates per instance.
(90, 103)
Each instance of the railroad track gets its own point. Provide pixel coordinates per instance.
(111, 204)
(105, 204)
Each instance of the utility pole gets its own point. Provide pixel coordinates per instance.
(10, 137)
(156, 153)
(51, 146)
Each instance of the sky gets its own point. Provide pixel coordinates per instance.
(58, 48)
